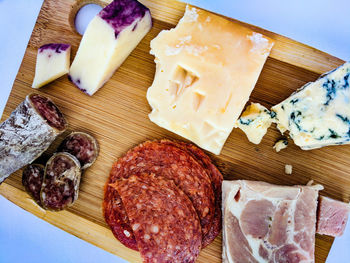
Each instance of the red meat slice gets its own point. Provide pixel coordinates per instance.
(216, 181)
(164, 221)
(332, 216)
(164, 160)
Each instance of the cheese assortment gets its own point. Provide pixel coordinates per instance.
(254, 122)
(52, 62)
(206, 69)
(318, 114)
(107, 42)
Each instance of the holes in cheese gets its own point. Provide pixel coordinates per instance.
(207, 67)
(197, 100)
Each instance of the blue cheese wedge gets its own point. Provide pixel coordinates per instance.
(318, 114)
(254, 122)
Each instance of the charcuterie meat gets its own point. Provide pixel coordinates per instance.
(332, 216)
(61, 181)
(32, 179)
(83, 146)
(265, 223)
(163, 219)
(164, 160)
(28, 132)
(216, 181)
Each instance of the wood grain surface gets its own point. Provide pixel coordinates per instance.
(117, 116)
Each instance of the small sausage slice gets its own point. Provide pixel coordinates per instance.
(83, 146)
(61, 181)
(32, 180)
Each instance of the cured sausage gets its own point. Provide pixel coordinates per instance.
(32, 179)
(216, 181)
(164, 221)
(163, 160)
(83, 146)
(28, 132)
(61, 181)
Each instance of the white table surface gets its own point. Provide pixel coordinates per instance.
(323, 24)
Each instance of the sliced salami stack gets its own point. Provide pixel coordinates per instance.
(165, 162)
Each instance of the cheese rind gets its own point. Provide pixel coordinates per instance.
(108, 40)
(254, 122)
(207, 67)
(52, 62)
(318, 114)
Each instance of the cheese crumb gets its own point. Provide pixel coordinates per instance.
(288, 169)
(280, 145)
(254, 122)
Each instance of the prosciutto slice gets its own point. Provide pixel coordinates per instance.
(332, 216)
(268, 223)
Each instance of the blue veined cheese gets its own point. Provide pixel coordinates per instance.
(318, 114)
(255, 121)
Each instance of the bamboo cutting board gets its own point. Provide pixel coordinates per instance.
(117, 116)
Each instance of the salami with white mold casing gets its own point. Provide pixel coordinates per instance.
(83, 146)
(61, 182)
(28, 132)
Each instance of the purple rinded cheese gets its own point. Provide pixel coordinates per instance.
(122, 13)
(54, 46)
(108, 40)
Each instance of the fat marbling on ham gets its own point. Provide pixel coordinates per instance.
(270, 223)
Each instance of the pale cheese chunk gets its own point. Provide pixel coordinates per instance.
(108, 40)
(206, 70)
(280, 145)
(52, 62)
(318, 114)
(254, 122)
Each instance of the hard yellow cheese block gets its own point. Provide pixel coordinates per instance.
(206, 70)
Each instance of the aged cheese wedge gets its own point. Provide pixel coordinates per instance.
(254, 122)
(206, 70)
(319, 113)
(107, 42)
(268, 223)
(52, 62)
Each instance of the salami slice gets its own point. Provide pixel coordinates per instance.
(164, 221)
(163, 160)
(28, 132)
(216, 180)
(61, 181)
(83, 146)
(32, 179)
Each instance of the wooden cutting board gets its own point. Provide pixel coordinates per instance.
(117, 116)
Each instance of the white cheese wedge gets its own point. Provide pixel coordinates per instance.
(254, 122)
(207, 67)
(318, 114)
(108, 40)
(52, 62)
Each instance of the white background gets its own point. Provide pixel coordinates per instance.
(324, 24)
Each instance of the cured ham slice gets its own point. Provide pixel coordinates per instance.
(271, 223)
(332, 216)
